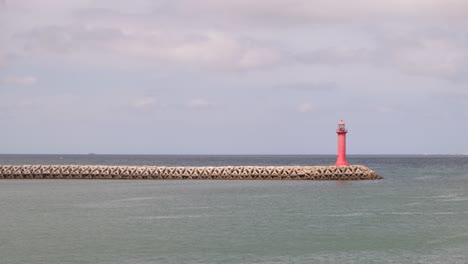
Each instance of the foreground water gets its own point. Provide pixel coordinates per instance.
(418, 214)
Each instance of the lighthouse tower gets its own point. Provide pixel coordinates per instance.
(341, 156)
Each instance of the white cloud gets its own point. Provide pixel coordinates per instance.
(385, 109)
(198, 48)
(305, 108)
(19, 80)
(258, 57)
(208, 49)
(143, 103)
(200, 104)
(24, 104)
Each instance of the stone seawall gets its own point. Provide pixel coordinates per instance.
(354, 172)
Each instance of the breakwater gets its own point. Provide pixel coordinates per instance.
(354, 172)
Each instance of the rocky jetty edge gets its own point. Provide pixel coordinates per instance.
(336, 173)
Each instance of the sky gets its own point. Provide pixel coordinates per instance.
(233, 76)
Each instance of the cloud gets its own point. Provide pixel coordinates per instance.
(283, 13)
(215, 49)
(24, 104)
(305, 108)
(336, 56)
(201, 104)
(435, 57)
(19, 80)
(358, 59)
(281, 9)
(385, 109)
(99, 33)
(413, 52)
(198, 48)
(322, 86)
(143, 103)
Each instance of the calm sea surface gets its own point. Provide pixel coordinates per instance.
(418, 214)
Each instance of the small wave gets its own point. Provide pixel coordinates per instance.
(169, 217)
(412, 204)
(350, 215)
(445, 213)
(128, 202)
(403, 213)
(262, 196)
(194, 207)
(136, 199)
(421, 213)
(451, 195)
(448, 238)
(425, 177)
(108, 205)
(456, 199)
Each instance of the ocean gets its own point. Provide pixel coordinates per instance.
(417, 214)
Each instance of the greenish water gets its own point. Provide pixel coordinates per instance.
(418, 214)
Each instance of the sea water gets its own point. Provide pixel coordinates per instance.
(417, 214)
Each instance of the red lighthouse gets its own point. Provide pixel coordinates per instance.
(341, 157)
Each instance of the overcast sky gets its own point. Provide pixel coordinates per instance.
(233, 76)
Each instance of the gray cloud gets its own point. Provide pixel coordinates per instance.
(440, 57)
(336, 56)
(267, 13)
(416, 53)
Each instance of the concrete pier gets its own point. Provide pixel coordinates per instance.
(353, 172)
